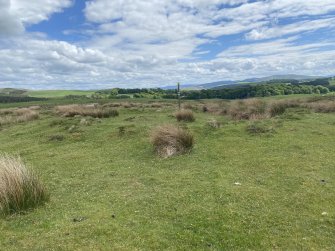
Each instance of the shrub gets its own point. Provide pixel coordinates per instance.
(185, 115)
(20, 188)
(169, 140)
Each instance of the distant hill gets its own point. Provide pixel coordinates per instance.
(231, 83)
(12, 92)
(281, 77)
(215, 84)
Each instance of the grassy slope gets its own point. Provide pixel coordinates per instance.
(57, 93)
(133, 200)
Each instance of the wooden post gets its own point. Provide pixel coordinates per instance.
(178, 94)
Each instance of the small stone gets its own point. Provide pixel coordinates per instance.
(324, 213)
(72, 128)
(237, 183)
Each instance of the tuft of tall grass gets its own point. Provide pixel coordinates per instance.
(20, 188)
(169, 140)
(86, 110)
(185, 115)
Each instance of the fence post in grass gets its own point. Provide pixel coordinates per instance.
(178, 94)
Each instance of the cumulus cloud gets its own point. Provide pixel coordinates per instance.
(158, 42)
(16, 14)
(295, 28)
(9, 24)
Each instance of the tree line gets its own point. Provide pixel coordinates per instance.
(269, 88)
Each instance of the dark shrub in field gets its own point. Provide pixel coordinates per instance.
(20, 188)
(169, 140)
(185, 115)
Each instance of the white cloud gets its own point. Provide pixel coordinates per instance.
(16, 14)
(295, 28)
(9, 24)
(158, 42)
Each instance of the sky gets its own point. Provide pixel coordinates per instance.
(96, 44)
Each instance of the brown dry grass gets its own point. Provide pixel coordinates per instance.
(12, 116)
(185, 115)
(321, 106)
(247, 109)
(169, 140)
(20, 188)
(95, 111)
(188, 106)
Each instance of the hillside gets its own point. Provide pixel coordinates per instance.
(242, 180)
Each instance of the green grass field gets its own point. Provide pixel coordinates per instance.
(234, 191)
(57, 93)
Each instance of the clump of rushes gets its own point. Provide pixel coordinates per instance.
(20, 188)
(94, 111)
(12, 116)
(170, 140)
(277, 108)
(185, 115)
(322, 106)
(248, 109)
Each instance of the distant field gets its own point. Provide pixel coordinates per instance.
(271, 190)
(57, 93)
